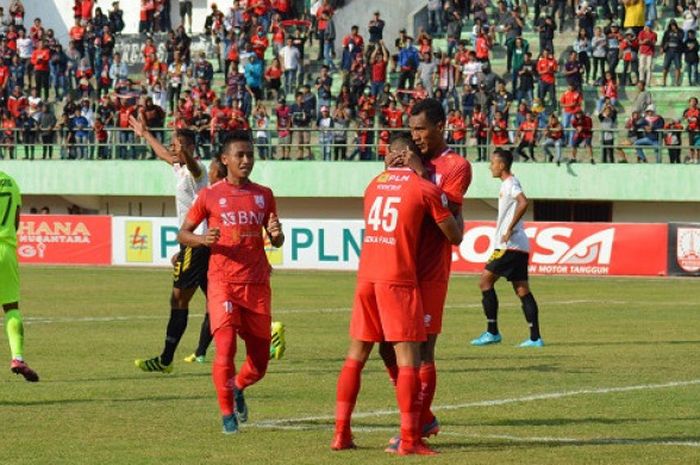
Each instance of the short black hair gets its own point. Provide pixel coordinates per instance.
(505, 155)
(237, 135)
(187, 134)
(432, 108)
(404, 138)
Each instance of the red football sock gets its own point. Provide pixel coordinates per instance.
(428, 384)
(393, 373)
(346, 395)
(407, 395)
(255, 365)
(223, 370)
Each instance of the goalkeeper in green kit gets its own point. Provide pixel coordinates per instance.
(10, 202)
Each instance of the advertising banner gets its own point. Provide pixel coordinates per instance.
(65, 239)
(574, 248)
(144, 241)
(556, 248)
(684, 249)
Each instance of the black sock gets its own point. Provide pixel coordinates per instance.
(489, 300)
(205, 337)
(531, 315)
(176, 328)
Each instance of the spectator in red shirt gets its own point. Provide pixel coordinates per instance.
(647, 44)
(546, 68)
(527, 136)
(126, 135)
(499, 130)
(571, 102)
(40, 61)
(480, 126)
(583, 126)
(379, 60)
(17, 102)
(692, 117)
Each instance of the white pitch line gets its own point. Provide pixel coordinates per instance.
(504, 437)
(493, 402)
(291, 311)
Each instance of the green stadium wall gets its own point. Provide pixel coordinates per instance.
(315, 179)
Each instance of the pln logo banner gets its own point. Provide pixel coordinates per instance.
(139, 241)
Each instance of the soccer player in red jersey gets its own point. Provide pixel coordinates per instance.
(452, 174)
(239, 297)
(387, 304)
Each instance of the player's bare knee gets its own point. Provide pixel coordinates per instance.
(521, 288)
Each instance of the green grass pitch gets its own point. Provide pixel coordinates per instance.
(617, 383)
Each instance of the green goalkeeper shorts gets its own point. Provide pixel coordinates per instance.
(9, 275)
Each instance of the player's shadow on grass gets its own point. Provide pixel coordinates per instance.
(545, 368)
(477, 444)
(623, 343)
(31, 403)
(557, 421)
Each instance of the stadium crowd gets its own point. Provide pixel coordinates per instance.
(275, 69)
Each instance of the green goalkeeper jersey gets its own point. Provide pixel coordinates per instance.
(10, 202)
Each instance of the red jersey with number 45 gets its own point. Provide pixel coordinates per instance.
(396, 202)
(452, 174)
(240, 213)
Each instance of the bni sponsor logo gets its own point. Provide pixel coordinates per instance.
(139, 242)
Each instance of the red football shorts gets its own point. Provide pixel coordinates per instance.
(246, 307)
(433, 295)
(387, 312)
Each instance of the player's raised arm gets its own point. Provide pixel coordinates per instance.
(141, 130)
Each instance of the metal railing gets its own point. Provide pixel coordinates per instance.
(310, 143)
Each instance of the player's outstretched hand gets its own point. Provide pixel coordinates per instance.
(274, 227)
(138, 126)
(212, 236)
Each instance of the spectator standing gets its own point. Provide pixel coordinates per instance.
(290, 57)
(672, 46)
(647, 45)
(40, 61)
(408, 65)
(608, 122)
(629, 50)
(599, 50)
(690, 48)
(341, 123)
(47, 126)
(80, 127)
(672, 139)
(546, 68)
(378, 68)
(691, 115)
(301, 121)
(643, 98)
(325, 125)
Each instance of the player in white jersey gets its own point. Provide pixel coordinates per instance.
(510, 256)
(190, 265)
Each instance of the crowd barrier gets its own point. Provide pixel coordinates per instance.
(613, 249)
(355, 143)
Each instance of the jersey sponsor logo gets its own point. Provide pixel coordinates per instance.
(139, 242)
(237, 218)
(260, 201)
(222, 202)
(688, 249)
(389, 177)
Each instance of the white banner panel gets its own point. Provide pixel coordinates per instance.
(309, 244)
